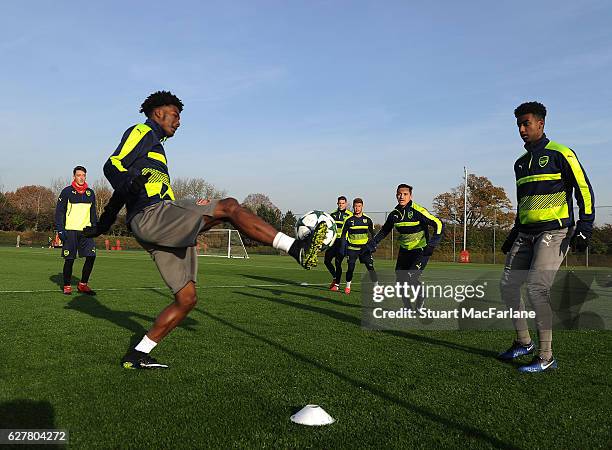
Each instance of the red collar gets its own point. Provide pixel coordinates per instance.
(79, 189)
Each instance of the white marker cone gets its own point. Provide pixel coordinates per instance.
(312, 415)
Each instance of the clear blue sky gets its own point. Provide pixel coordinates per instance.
(304, 101)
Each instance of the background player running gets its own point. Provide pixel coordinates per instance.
(411, 221)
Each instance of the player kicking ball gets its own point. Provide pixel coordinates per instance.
(168, 229)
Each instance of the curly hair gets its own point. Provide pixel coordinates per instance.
(160, 98)
(535, 108)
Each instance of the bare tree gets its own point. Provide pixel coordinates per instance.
(103, 193)
(58, 184)
(254, 201)
(196, 188)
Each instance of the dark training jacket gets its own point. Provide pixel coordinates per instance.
(356, 231)
(412, 222)
(140, 152)
(546, 176)
(340, 217)
(75, 211)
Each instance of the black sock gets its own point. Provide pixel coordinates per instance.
(338, 272)
(349, 274)
(295, 248)
(373, 276)
(87, 268)
(68, 263)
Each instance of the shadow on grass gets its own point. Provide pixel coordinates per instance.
(318, 297)
(271, 279)
(469, 431)
(338, 315)
(28, 414)
(125, 319)
(58, 279)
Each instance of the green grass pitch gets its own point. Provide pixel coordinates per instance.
(258, 347)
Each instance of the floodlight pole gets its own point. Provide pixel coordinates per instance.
(454, 219)
(465, 174)
(494, 223)
(454, 238)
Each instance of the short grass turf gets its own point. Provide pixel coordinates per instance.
(257, 348)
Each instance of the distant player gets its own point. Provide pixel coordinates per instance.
(75, 210)
(547, 175)
(358, 230)
(168, 229)
(412, 222)
(339, 215)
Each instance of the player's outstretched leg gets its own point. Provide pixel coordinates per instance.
(139, 358)
(304, 251)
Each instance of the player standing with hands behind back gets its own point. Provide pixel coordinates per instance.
(75, 210)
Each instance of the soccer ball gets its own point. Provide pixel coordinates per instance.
(309, 221)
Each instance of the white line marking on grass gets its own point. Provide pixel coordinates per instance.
(143, 255)
(262, 285)
(156, 288)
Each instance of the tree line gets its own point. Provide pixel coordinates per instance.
(32, 207)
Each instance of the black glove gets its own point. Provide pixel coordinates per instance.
(108, 217)
(91, 232)
(428, 250)
(582, 235)
(370, 247)
(138, 183)
(509, 242)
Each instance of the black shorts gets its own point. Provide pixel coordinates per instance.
(364, 258)
(408, 259)
(75, 242)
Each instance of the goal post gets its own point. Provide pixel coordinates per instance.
(221, 243)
